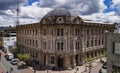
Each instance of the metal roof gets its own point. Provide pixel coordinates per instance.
(61, 12)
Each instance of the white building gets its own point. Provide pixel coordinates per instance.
(8, 43)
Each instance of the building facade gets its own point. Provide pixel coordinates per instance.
(62, 39)
(113, 53)
(8, 38)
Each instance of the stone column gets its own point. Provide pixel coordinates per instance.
(79, 59)
(67, 63)
(47, 60)
(73, 61)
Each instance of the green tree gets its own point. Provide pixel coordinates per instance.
(0, 44)
(23, 57)
(15, 51)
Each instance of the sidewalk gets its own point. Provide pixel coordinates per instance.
(81, 68)
(1, 69)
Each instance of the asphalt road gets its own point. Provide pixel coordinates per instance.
(7, 65)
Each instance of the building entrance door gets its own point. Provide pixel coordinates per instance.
(60, 62)
(76, 59)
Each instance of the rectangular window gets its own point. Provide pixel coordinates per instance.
(60, 46)
(77, 32)
(87, 43)
(30, 31)
(116, 47)
(102, 41)
(30, 42)
(33, 42)
(60, 32)
(92, 31)
(102, 31)
(87, 31)
(36, 31)
(91, 43)
(99, 42)
(77, 45)
(36, 43)
(95, 42)
(44, 32)
(44, 44)
(33, 31)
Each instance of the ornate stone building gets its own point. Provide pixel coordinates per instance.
(62, 39)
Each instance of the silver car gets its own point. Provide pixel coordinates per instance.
(14, 61)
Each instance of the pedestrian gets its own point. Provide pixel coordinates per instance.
(34, 71)
(6, 71)
(90, 70)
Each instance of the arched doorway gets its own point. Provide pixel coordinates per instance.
(60, 62)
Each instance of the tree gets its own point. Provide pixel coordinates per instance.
(0, 44)
(14, 51)
(23, 57)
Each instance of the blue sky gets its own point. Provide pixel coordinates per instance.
(108, 3)
(32, 11)
(32, 1)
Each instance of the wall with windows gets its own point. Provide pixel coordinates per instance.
(113, 53)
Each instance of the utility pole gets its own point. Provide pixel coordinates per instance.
(17, 10)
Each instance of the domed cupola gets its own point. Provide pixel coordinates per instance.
(60, 16)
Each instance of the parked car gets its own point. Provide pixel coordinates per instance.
(9, 56)
(104, 68)
(14, 61)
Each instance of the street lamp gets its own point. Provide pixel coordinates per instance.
(11, 69)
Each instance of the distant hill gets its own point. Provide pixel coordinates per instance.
(1, 28)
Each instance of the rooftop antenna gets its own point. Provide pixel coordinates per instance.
(17, 10)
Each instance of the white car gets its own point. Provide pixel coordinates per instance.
(14, 61)
(104, 68)
(9, 56)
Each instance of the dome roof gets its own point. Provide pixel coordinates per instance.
(61, 12)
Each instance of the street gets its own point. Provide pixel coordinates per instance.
(7, 66)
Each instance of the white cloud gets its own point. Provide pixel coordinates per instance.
(32, 13)
(88, 9)
(102, 6)
(103, 17)
(115, 2)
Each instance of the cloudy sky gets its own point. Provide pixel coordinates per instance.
(32, 11)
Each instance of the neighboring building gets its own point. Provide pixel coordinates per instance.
(9, 43)
(8, 38)
(113, 53)
(62, 39)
